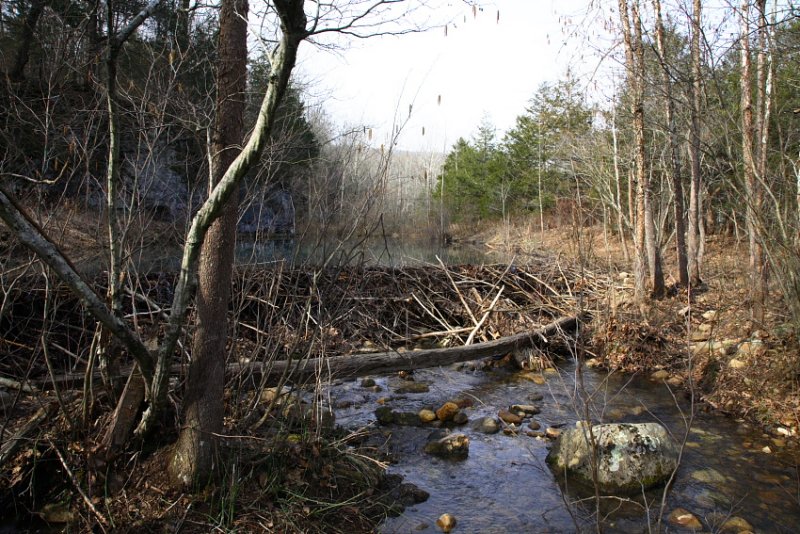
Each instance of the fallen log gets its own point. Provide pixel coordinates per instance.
(356, 365)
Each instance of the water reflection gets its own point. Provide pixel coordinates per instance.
(387, 253)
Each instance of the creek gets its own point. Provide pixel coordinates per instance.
(504, 485)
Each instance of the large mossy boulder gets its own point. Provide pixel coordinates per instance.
(629, 456)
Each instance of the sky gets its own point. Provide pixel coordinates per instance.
(485, 66)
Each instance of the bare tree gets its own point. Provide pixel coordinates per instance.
(694, 238)
(203, 406)
(674, 167)
(149, 382)
(647, 253)
(750, 153)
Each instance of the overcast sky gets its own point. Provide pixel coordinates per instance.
(482, 66)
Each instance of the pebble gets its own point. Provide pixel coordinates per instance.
(525, 408)
(466, 402)
(447, 411)
(536, 397)
(736, 524)
(487, 425)
(368, 383)
(736, 363)
(536, 378)
(660, 375)
(709, 476)
(426, 416)
(698, 335)
(508, 417)
(446, 522)
(534, 425)
(684, 518)
(754, 348)
(460, 418)
(552, 433)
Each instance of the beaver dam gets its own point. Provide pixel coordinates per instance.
(331, 381)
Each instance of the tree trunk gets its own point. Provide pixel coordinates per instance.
(674, 169)
(644, 228)
(753, 187)
(17, 72)
(644, 204)
(203, 403)
(621, 228)
(694, 245)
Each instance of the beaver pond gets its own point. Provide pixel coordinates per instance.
(729, 470)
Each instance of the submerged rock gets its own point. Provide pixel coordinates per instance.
(509, 418)
(460, 418)
(412, 387)
(630, 456)
(368, 383)
(487, 425)
(684, 518)
(450, 446)
(446, 522)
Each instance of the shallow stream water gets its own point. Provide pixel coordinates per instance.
(505, 485)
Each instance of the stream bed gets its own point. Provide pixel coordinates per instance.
(504, 485)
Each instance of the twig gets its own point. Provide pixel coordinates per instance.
(429, 312)
(438, 333)
(458, 292)
(11, 446)
(485, 315)
(100, 518)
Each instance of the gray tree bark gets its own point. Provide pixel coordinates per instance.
(674, 168)
(753, 189)
(694, 238)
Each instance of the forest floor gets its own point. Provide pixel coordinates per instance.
(706, 343)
